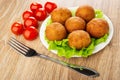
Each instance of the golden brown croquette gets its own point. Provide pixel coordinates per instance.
(75, 23)
(55, 31)
(60, 15)
(97, 27)
(86, 12)
(79, 39)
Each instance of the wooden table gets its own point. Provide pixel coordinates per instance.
(14, 66)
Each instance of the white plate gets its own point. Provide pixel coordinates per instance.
(97, 48)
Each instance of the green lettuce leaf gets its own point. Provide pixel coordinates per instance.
(98, 13)
(63, 48)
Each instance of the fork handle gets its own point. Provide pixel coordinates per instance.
(80, 69)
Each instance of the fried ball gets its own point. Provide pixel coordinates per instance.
(79, 39)
(97, 27)
(86, 12)
(55, 31)
(60, 15)
(74, 23)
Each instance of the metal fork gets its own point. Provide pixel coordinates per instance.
(29, 52)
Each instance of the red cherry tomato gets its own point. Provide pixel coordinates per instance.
(40, 14)
(34, 6)
(31, 21)
(27, 14)
(50, 6)
(30, 33)
(17, 28)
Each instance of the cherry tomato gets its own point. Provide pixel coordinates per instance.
(27, 14)
(50, 6)
(34, 6)
(31, 21)
(40, 14)
(17, 28)
(30, 33)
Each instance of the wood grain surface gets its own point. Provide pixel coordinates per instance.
(14, 66)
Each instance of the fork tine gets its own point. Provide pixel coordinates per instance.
(19, 43)
(18, 46)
